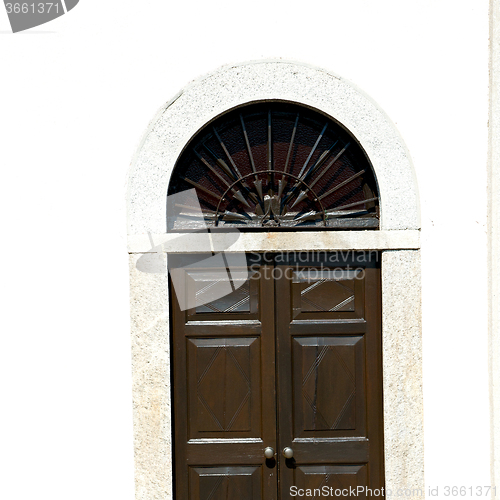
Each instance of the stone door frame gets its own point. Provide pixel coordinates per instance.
(398, 239)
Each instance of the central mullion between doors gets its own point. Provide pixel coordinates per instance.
(269, 414)
(284, 396)
(276, 284)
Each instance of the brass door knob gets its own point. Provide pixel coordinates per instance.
(287, 452)
(269, 452)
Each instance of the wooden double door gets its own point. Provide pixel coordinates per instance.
(290, 358)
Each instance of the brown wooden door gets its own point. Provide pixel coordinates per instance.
(329, 376)
(291, 358)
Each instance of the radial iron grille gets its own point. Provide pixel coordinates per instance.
(271, 165)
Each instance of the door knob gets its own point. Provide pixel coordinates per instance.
(269, 452)
(287, 452)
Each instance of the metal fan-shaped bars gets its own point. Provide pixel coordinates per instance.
(271, 168)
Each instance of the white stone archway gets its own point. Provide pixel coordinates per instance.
(398, 239)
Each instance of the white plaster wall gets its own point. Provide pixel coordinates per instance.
(76, 96)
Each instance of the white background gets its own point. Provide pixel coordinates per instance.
(77, 95)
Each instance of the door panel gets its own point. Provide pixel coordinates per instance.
(328, 294)
(202, 285)
(221, 483)
(331, 477)
(292, 358)
(329, 390)
(223, 387)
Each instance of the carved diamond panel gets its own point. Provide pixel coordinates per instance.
(219, 291)
(223, 386)
(237, 301)
(325, 290)
(222, 483)
(328, 478)
(325, 374)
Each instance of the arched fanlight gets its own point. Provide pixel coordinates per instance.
(274, 165)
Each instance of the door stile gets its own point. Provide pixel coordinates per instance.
(269, 410)
(375, 427)
(284, 385)
(181, 480)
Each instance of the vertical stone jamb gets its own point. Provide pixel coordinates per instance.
(493, 240)
(402, 372)
(151, 378)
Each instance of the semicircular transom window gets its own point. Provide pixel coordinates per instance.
(274, 165)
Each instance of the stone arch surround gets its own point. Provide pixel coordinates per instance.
(398, 239)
